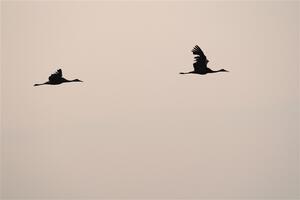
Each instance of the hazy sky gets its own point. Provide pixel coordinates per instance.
(135, 128)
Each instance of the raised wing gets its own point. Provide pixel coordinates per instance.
(201, 60)
(55, 76)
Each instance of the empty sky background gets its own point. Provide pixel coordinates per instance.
(135, 128)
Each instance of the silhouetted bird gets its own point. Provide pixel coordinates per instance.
(56, 78)
(200, 66)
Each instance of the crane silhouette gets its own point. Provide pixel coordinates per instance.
(200, 66)
(56, 79)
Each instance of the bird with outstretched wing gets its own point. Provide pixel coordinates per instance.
(200, 66)
(201, 60)
(56, 79)
(55, 76)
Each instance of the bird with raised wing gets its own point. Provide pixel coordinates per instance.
(200, 66)
(56, 79)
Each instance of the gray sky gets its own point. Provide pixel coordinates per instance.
(135, 128)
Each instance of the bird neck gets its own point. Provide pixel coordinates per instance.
(220, 70)
(74, 80)
(66, 80)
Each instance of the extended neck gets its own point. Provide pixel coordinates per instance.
(67, 81)
(221, 70)
(74, 80)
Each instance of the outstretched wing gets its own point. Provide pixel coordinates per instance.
(201, 60)
(55, 76)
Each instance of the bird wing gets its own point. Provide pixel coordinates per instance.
(55, 76)
(201, 60)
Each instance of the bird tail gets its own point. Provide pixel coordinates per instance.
(184, 73)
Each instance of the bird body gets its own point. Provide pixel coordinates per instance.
(56, 79)
(200, 66)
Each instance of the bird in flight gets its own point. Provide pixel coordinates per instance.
(56, 79)
(200, 66)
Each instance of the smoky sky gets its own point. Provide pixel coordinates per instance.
(135, 128)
